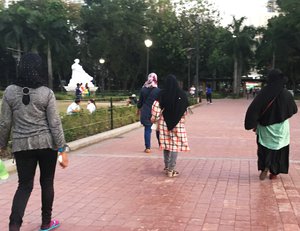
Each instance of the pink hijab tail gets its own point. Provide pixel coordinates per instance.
(152, 81)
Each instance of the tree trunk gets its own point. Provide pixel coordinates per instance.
(235, 75)
(273, 60)
(239, 74)
(50, 72)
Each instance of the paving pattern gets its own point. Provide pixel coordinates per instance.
(114, 186)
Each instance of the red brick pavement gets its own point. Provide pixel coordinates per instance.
(114, 186)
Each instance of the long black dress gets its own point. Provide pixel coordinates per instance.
(274, 104)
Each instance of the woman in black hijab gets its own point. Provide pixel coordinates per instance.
(268, 115)
(29, 110)
(169, 111)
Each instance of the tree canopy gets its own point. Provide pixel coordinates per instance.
(116, 30)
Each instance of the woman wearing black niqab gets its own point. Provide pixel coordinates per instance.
(268, 115)
(169, 111)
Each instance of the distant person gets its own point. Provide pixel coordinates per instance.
(78, 93)
(82, 89)
(86, 91)
(268, 116)
(29, 111)
(247, 93)
(169, 111)
(74, 107)
(200, 92)
(132, 100)
(148, 95)
(91, 106)
(208, 94)
(192, 91)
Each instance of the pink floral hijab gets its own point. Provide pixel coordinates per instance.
(152, 81)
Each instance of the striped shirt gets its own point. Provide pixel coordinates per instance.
(174, 140)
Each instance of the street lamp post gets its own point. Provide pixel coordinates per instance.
(189, 70)
(101, 61)
(148, 44)
(189, 52)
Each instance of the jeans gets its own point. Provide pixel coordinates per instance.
(26, 162)
(147, 136)
(170, 159)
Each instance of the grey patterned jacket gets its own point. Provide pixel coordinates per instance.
(33, 126)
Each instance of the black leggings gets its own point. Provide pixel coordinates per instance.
(208, 97)
(26, 162)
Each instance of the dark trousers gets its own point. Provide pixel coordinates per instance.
(27, 162)
(208, 97)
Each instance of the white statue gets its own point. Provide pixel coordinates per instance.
(79, 76)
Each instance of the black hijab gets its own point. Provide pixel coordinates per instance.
(273, 104)
(173, 101)
(30, 74)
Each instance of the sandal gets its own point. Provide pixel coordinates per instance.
(53, 225)
(172, 173)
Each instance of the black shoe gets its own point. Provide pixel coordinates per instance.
(14, 227)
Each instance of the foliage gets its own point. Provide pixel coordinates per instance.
(37, 26)
(116, 30)
(97, 122)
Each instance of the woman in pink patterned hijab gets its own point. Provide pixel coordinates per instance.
(152, 81)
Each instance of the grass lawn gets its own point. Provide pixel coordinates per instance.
(62, 105)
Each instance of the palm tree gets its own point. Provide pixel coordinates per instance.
(242, 44)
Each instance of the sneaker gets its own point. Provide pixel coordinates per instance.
(147, 150)
(172, 173)
(263, 174)
(53, 225)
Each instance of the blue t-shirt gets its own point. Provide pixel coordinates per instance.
(208, 90)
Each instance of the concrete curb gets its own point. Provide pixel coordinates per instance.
(77, 144)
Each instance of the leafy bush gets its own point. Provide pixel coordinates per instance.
(84, 124)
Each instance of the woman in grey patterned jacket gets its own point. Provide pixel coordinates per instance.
(29, 112)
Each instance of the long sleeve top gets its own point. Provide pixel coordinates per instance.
(33, 126)
(174, 140)
(146, 99)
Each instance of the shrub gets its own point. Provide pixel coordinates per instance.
(84, 124)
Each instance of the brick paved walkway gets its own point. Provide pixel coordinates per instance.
(114, 186)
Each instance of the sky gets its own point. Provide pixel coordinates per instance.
(254, 10)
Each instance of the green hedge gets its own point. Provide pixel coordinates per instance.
(84, 124)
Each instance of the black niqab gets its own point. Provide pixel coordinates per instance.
(173, 101)
(282, 107)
